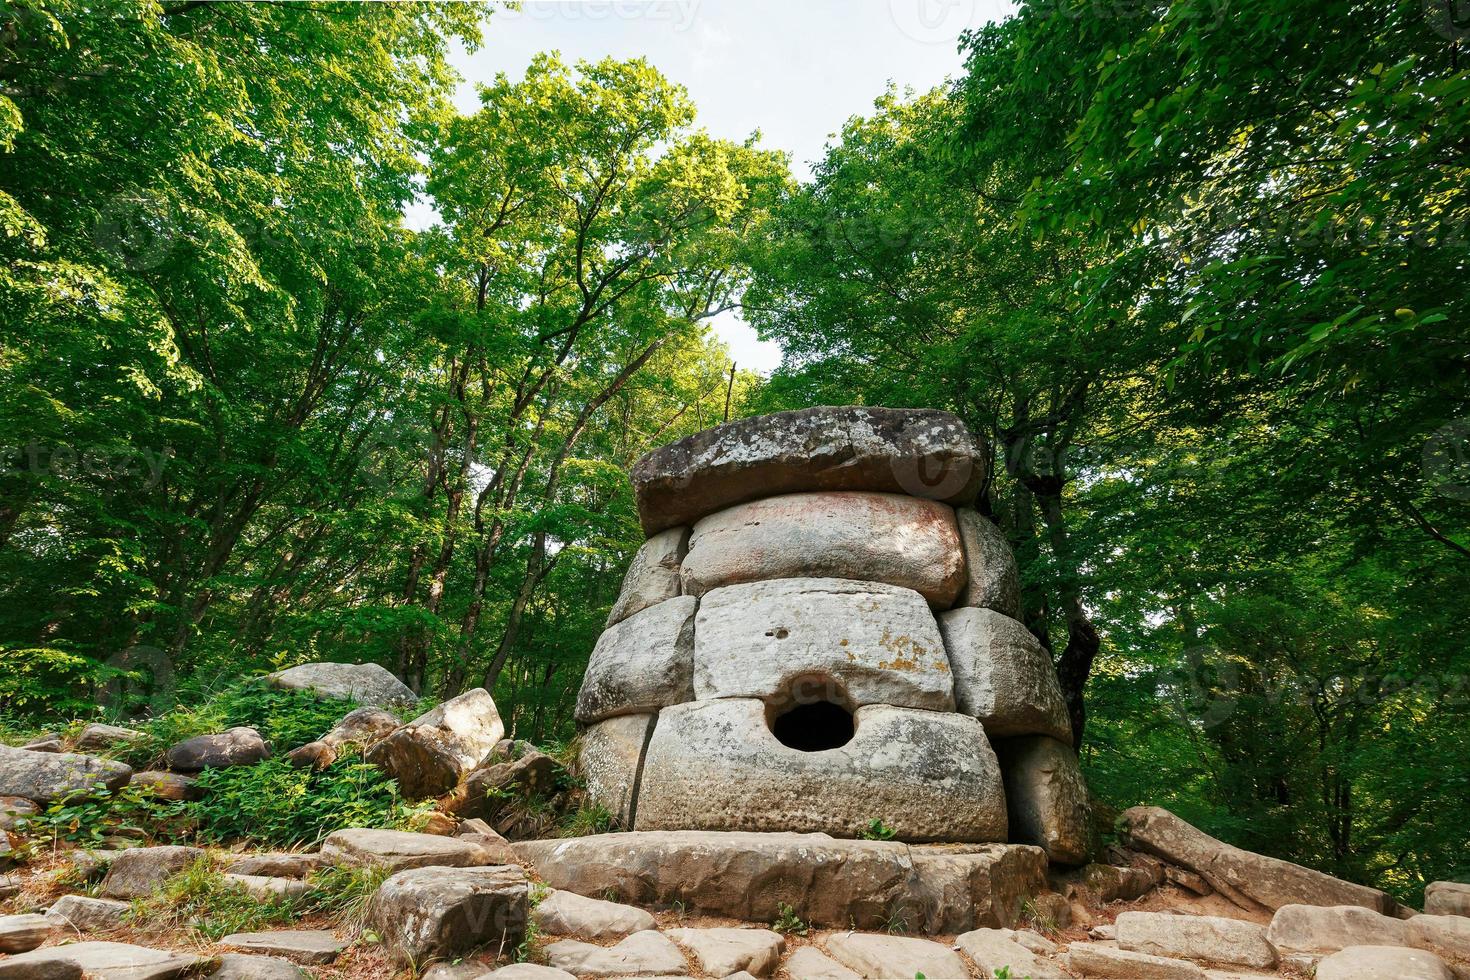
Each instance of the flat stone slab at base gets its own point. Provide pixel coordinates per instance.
(112, 961)
(643, 953)
(400, 850)
(810, 963)
(880, 957)
(826, 882)
(1085, 960)
(313, 947)
(564, 913)
(722, 952)
(238, 966)
(1383, 963)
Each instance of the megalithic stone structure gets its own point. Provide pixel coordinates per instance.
(820, 632)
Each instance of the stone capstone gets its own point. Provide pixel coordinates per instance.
(643, 953)
(642, 663)
(44, 777)
(856, 643)
(564, 913)
(917, 452)
(653, 575)
(236, 747)
(1046, 797)
(399, 850)
(1003, 676)
(611, 761)
(425, 914)
(369, 684)
(139, 872)
(1196, 937)
(992, 580)
(432, 753)
(1383, 963)
(721, 952)
(878, 957)
(872, 537)
(716, 765)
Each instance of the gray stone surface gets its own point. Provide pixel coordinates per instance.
(273, 864)
(139, 872)
(993, 950)
(312, 947)
(872, 537)
(99, 961)
(14, 811)
(1196, 937)
(1002, 676)
(810, 963)
(425, 914)
(1097, 960)
(1241, 875)
(715, 765)
(1046, 797)
(642, 663)
(400, 850)
(240, 966)
(168, 785)
(1447, 935)
(526, 971)
(432, 753)
(236, 747)
(919, 452)
(1327, 929)
(856, 643)
(42, 777)
(79, 913)
(267, 887)
(653, 575)
(564, 913)
(23, 933)
(611, 758)
(98, 737)
(369, 684)
(879, 957)
(960, 888)
(1447, 898)
(993, 581)
(643, 953)
(719, 952)
(1383, 963)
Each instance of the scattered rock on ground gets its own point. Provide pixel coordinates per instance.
(1327, 929)
(643, 953)
(363, 727)
(312, 947)
(236, 747)
(369, 684)
(43, 777)
(877, 957)
(14, 811)
(432, 753)
(1447, 898)
(525, 971)
(994, 949)
(46, 743)
(652, 576)
(491, 787)
(91, 865)
(1383, 963)
(239, 966)
(79, 913)
(564, 913)
(267, 888)
(105, 961)
(400, 850)
(23, 933)
(1196, 937)
(98, 737)
(168, 785)
(810, 963)
(720, 952)
(1094, 960)
(138, 872)
(425, 914)
(1448, 935)
(274, 864)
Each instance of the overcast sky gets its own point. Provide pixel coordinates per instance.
(793, 69)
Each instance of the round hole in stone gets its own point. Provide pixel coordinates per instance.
(814, 726)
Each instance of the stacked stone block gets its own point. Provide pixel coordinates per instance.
(821, 632)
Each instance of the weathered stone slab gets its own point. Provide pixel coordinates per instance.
(1269, 882)
(1046, 797)
(878, 957)
(523, 971)
(653, 575)
(1327, 929)
(23, 933)
(139, 872)
(400, 850)
(103, 961)
(720, 952)
(1003, 676)
(871, 537)
(432, 753)
(1383, 963)
(362, 727)
(1447, 898)
(425, 914)
(495, 785)
(855, 643)
(312, 947)
(238, 966)
(993, 950)
(369, 684)
(236, 747)
(1196, 937)
(918, 452)
(267, 887)
(716, 765)
(643, 953)
(98, 737)
(611, 758)
(78, 913)
(1094, 960)
(274, 864)
(642, 663)
(43, 777)
(810, 963)
(564, 913)
(992, 579)
(168, 785)
(1447, 935)
(15, 811)
(957, 888)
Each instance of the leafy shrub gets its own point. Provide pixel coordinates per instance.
(86, 817)
(202, 899)
(877, 830)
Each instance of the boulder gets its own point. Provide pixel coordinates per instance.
(369, 684)
(643, 953)
(168, 785)
(523, 971)
(489, 788)
(1240, 875)
(267, 888)
(312, 947)
(719, 952)
(717, 765)
(871, 537)
(1383, 963)
(1046, 797)
(102, 961)
(1003, 676)
(1447, 898)
(45, 743)
(1447, 935)
(273, 864)
(23, 933)
(236, 747)
(432, 753)
(400, 850)
(810, 639)
(810, 963)
(99, 738)
(653, 575)
(44, 777)
(611, 759)
(89, 866)
(139, 872)
(1196, 937)
(824, 881)
(642, 663)
(917, 452)
(992, 580)
(1093, 960)
(363, 727)
(238, 966)
(877, 957)
(993, 950)
(564, 913)
(15, 811)
(425, 914)
(78, 913)
(1327, 929)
